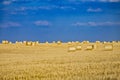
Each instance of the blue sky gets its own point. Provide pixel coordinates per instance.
(65, 20)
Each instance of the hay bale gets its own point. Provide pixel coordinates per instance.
(78, 48)
(25, 42)
(108, 47)
(85, 42)
(46, 42)
(17, 42)
(114, 42)
(69, 43)
(10, 42)
(90, 47)
(20, 42)
(104, 42)
(77, 42)
(5, 42)
(59, 42)
(36, 43)
(71, 49)
(29, 43)
(72, 42)
(33, 43)
(95, 46)
(97, 42)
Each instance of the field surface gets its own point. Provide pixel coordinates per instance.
(51, 62)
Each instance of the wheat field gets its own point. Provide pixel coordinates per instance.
(54, 62)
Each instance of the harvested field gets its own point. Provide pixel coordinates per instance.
(54, 62)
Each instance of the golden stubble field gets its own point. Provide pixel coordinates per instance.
(54, 62)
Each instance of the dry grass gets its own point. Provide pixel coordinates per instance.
(51, 62)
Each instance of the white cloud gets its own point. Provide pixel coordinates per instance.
(109, 0)
(10, 24)
(7, 2)
(94, 10)
(23, 8)
(66, 7)
(42, 23)
(94, 0)
(107, 23)
(45, 7)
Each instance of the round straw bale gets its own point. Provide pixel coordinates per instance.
(78, 48)
(90, 47)
(71, 49)
(108, 47)
(59, 42)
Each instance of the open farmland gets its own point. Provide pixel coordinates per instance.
(51, 61)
